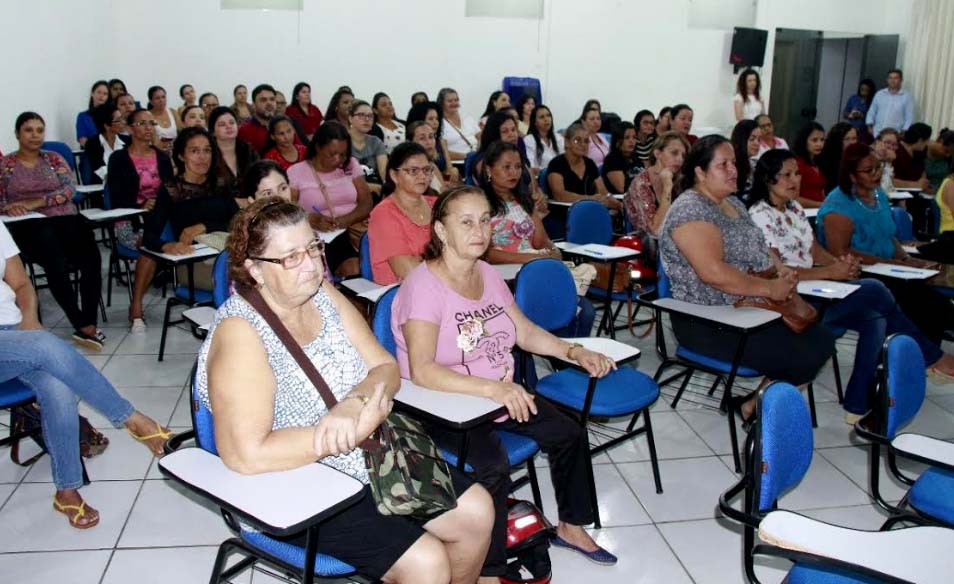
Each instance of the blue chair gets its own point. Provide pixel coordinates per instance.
(542, 180)
(520, 449)
(364, 258)
(545, 292)
(901, 392)
(903, 225)
(221, 285)
(263, 545)
(590, 222)
(469, 178)
(121, 257)
(14, 393)
(779, 453)
(725, 372)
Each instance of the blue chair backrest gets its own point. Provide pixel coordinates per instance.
(167, 235)
(364, 258)
(381, 324)
(63, 149)
(589, 222)
(107, 202)
(542, 179)
(202, 422)
(546, 293)
(469, 177)
(221, 290)
(663, 285)
(903, 226)
(785, 442)
(904, 365)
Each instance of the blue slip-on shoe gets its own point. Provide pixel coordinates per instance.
(597, 556)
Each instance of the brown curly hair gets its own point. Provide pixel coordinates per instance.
(440, 211)
(248, 235)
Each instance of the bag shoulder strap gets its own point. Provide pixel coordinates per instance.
(254, 298)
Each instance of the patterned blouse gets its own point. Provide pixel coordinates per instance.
(297, 402)
(787, 231)
(50, 179)
(743, 246)
(640, 203)
(513, 230)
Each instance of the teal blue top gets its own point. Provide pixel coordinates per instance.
(874, 226)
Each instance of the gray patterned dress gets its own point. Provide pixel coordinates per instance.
(297, 402)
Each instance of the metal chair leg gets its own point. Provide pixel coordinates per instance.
(811, 404)
(534, 485)
(165, 327)
(837, 371)
(651, 440)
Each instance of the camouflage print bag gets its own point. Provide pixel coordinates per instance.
(408, 476)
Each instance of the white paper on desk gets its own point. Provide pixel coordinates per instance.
(908, 189)
(600, 251)
(100, 214)
(826, 289)
(811, 212)
(198, 251)
(900, 196)
(910, 249)
(366, 288)
(328, 236)
(30, 215)
(900, 272)
(86, 189)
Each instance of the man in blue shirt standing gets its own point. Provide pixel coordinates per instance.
(892, 107)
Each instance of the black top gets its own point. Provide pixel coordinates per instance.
(572, 182)
(630, 168)
(226, 180)
(122, 180)
(95, 153)
(181, 205)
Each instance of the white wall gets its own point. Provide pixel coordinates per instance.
(630, 54)
(50, 61)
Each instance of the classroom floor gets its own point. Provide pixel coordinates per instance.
(152, 532)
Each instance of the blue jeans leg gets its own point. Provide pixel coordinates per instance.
(60, 376)
(864, 312)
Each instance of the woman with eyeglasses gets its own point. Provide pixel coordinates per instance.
(856, 219)
(400, 225)
(136, 174)
(330, 186)
(768, 140)
(367, 149)
(573, 177)
(110, 122)
(269, 418)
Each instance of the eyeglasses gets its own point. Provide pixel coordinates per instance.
(872, 171)
(295, 258)
(144, 123)
(579, 141)
(413, 171)
(364, 116)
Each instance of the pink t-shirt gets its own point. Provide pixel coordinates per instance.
(339, 185)
(392, 233)
(475, 337)
(149, 181)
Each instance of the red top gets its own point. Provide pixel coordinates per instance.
(392, 233)
(275, 155)
(256, 134)
(813, 181)
(310, 121)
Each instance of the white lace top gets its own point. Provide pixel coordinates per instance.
(297, 402)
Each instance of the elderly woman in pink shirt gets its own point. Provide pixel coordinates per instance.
(455, 323)
(329, 185)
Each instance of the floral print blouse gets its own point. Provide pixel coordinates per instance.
(513, 230)
(640, 203)
(787, 231)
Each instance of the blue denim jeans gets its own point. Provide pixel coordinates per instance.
(873, 313)
(60, 376)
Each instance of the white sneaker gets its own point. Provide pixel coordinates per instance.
(138, 326)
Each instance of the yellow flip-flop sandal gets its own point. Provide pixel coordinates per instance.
(160, 433)
(80, 513)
